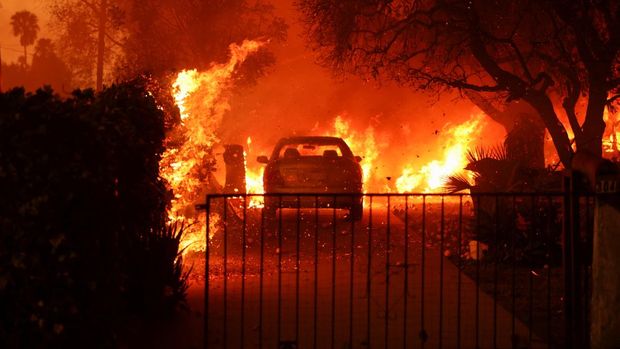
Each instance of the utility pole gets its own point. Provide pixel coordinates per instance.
(0, 68)
(101, 43)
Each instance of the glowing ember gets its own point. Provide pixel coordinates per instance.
(432, 176)
(202, 98)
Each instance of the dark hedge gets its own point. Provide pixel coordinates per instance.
(83, 241)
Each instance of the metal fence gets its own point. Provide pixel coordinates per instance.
(482, 270)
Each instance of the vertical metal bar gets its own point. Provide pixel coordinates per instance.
(225, 322)
(387, 275)
(550, 241)
(369, 275)
(459, 280)
(441, 247)
(587, 274)
(205, 329)
(423, 334)
(333, 339)
(297, 265)
(530, 322)
(316, 268)
(351, 279)
(243, 239)
(496, 258)
(406, 266)
(261, 274)
(576, 265)
(567, 261)
(477, 311)
(279, 337)
(513, 336)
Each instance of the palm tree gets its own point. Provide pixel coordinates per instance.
(25, 25)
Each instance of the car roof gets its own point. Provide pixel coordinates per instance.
(311, 139)
(322, 140)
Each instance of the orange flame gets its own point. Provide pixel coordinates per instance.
(202, 99)
(254, 181)
(612, 134)
(364, 145)
(432, 176)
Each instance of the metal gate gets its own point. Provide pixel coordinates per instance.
(418, 271)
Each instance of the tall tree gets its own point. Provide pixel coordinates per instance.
(48, 69)
(91, 36)
(25, 25)
(131, 37)
(559, 56)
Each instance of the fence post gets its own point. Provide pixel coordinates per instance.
(605, 328)
(603, 178)
(571, 245)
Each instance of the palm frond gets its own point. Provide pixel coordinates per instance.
(457, 183)
(496, 152)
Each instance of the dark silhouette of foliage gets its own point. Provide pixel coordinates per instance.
(525, 132)
(160, 36)
(46, 69)
(521, 227)
(82, 218)
(542, 52)
(25, 24)
(166, 35)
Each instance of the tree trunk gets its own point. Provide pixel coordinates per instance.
(101, 44)
(497, 115)
(525, 134)
(0, 68)
(591, 139)
(544, 107)
(25, 56)
(525, 143)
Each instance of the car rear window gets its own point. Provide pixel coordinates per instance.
(310, 150)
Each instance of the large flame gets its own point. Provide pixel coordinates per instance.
(432, 176)
(363, 144)
(202, 99)
(254, 180)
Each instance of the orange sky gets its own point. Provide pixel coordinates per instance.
(11, 48)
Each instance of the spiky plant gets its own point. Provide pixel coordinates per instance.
(497, 152)
(458, 182)
(159, 281)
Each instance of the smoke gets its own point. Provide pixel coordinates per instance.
(300, 97)
(11, 48)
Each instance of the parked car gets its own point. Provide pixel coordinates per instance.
(312, 165)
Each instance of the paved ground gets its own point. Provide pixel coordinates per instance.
(367, 292)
